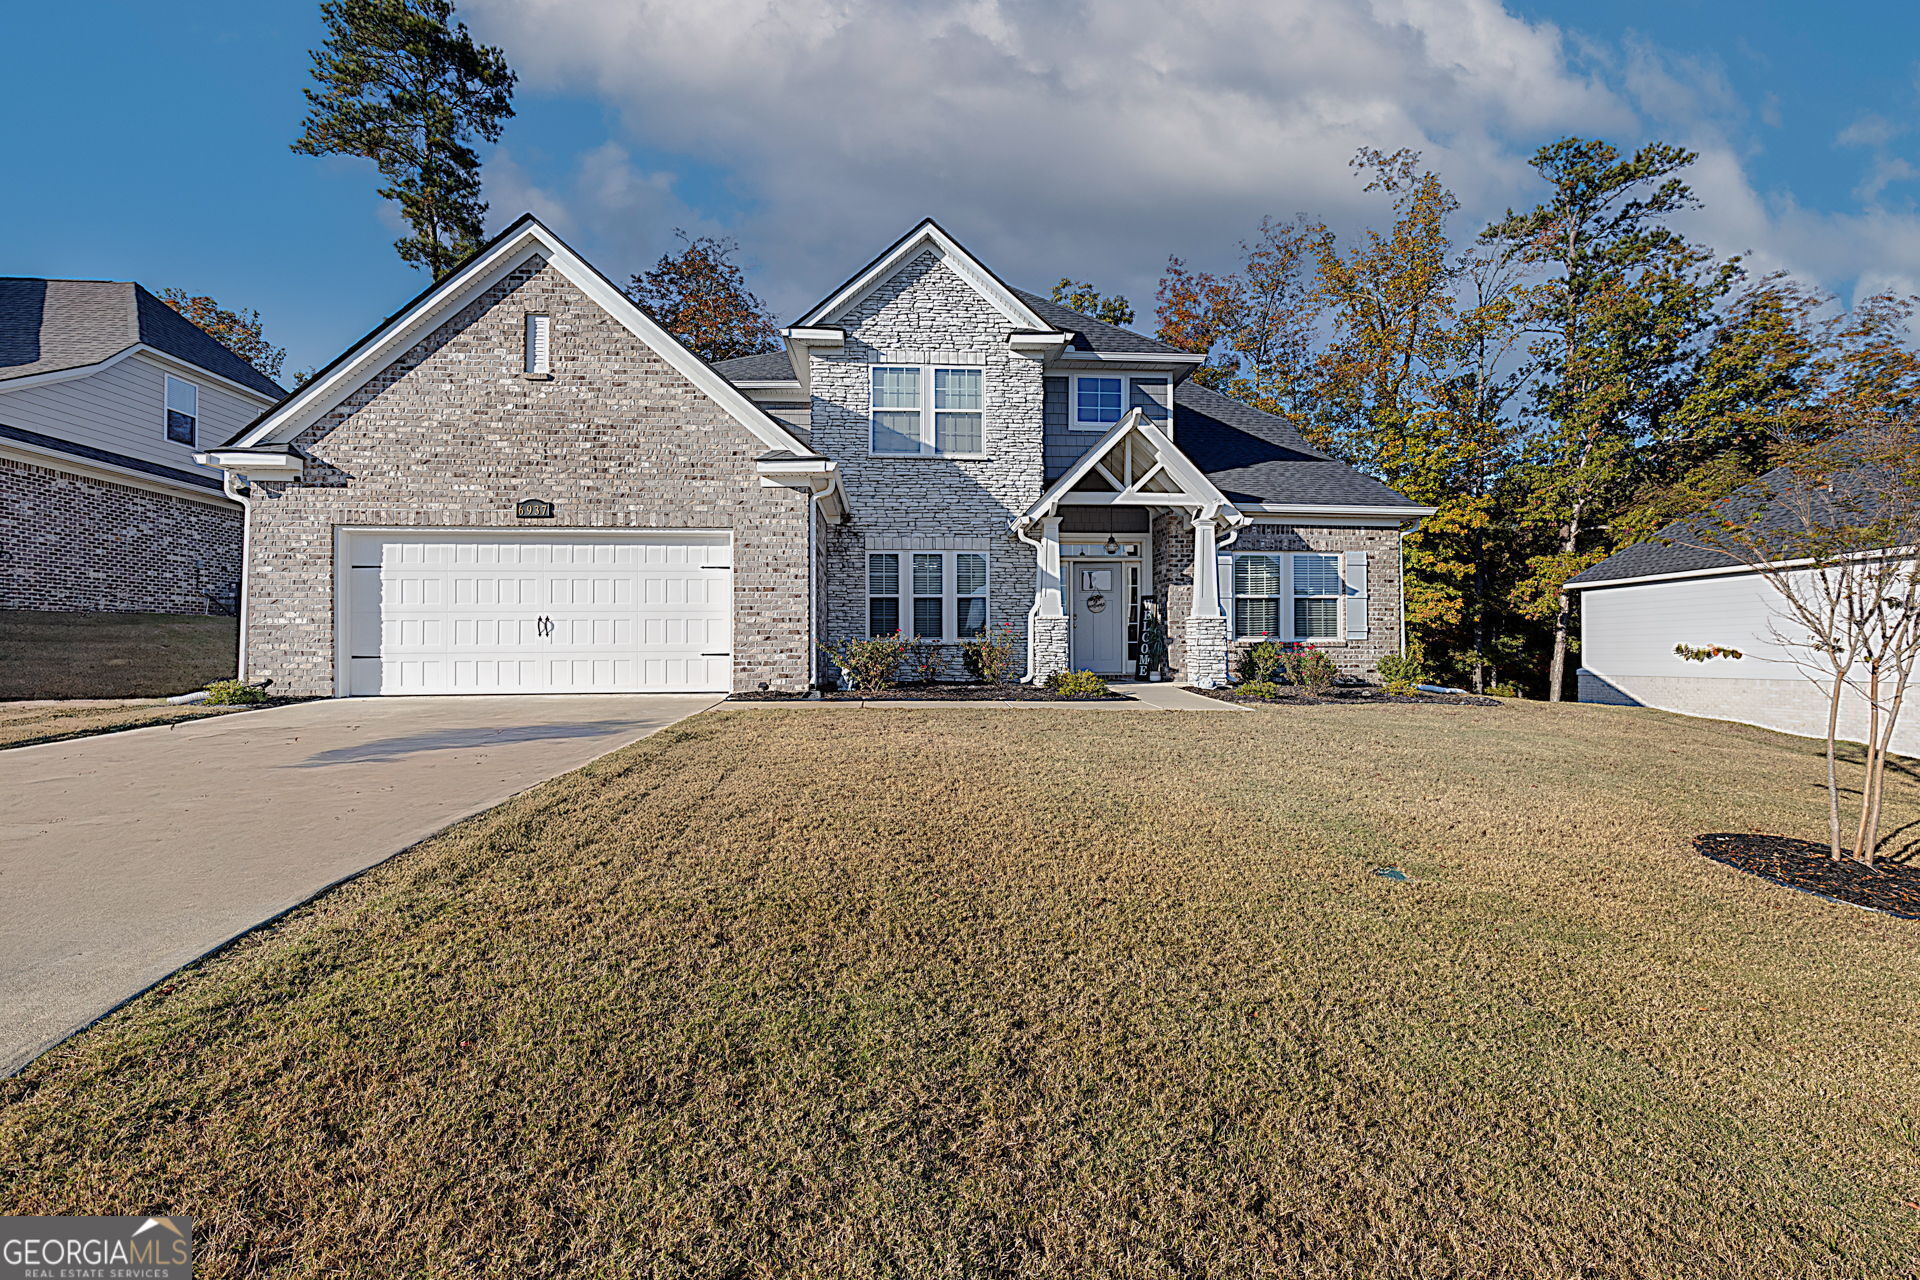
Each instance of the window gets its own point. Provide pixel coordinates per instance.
(1098, 403)
(934, 595)
(1256, 595)
(183, 411)
(908, 422)
(1316, 597)
(539, 350)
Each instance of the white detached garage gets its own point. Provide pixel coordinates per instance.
(506, 611)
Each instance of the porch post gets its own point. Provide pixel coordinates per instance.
(1048, 636)
(1206, 621)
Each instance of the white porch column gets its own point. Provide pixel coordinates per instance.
(1206, 658)
(1049, 635)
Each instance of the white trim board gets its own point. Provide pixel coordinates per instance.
(526, 239)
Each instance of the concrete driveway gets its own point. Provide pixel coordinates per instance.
(125, 856)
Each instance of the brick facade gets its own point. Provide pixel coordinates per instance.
(925, 314)
(451, 434)
(78, 543)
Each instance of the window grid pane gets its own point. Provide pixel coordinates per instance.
(956, 389)
(883, 616)
(896, 388)
(895, 432)
(883, 575)
(956, 433)
(1100, 399)
(1256, 575)
(971, 613)
(1316, 575)
(929, 575)
(1256, 617)
(926, 618)
(969, 574)
(1317, 619)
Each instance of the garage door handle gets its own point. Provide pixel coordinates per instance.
(722, 654)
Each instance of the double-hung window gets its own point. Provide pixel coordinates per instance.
(1098, 402)
(183, 411)
(927, 595)
(1293, 595)
(927, 411)
(1316, 596)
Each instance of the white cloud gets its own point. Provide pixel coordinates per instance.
(1093, 137)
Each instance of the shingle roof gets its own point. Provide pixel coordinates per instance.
(1255, 457)
(49, 325)
(769, 366)
(1091, 334)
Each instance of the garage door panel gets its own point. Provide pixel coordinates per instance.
(482, 613)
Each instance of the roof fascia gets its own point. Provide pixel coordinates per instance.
(49, 376)
(969, 268)
(491, 264)
(1329, 509)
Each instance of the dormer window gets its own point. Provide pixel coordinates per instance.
(1098, 402)
(183, 411)
(539, 349)
(921, 411)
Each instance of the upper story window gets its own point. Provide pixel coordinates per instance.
(539, 357)
(183, 411)
(1098, 402)
(927, 411)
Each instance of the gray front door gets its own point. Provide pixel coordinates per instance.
(1100, 618)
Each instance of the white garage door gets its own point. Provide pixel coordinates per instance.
(512, 612)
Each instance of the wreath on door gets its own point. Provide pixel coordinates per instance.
(1096, 604)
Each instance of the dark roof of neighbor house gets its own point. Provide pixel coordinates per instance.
(1094, 335)
(1774, 506)
(50, 325)
(768, 366)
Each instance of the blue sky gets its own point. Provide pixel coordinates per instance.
(1067, 138)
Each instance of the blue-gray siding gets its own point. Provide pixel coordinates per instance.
(1064, 445)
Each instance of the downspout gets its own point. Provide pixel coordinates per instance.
(1400, 583)
(229, 483)
(1020, 532)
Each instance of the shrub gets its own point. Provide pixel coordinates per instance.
(870, 664)
(1505, 690)
(923, 664)
(1265, 690)
(989, 657)
(1077, 684)
(1400, 672)
(1261, 663)
(234, 693)
(1310, 670)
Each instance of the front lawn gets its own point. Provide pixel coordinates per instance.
(1045, 993)
(112, 655)
(25, 724)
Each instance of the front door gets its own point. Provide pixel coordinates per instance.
(1100, 618)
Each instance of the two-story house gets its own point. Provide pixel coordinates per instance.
(106, 396)
(521, 483)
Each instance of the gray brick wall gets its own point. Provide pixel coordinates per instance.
(451, 435)
(77, 544)
(927, 315)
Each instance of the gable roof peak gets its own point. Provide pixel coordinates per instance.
(926, 234)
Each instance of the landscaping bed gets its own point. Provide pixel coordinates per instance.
(1345, 697)
(1892, 887)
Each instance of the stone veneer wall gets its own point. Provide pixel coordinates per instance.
(76, 543)
(1173, 576)
(451, 435)
(927, 315)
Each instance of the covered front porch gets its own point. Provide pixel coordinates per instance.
(1112, 538)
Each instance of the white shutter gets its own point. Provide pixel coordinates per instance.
(1356, 593)
(1223, 564)
(537, 348)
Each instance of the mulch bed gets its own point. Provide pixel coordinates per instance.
(943, 691)
(1351, 697)
(1891, 887)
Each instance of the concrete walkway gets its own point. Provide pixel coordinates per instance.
(1147, 696)
(125, 856)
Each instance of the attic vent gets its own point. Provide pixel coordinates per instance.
(537, 345)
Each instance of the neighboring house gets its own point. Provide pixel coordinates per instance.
(1638, 604)
(520, 482)
(106, 394)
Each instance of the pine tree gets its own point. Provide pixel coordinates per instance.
(403, 85)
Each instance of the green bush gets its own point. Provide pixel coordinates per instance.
(1261, 663)
(1077, 684)
(1399, 672)
(870, 664)
(989, 657)
(1310, 670)
(1505, 691)
(1265, 690)
(233, 693)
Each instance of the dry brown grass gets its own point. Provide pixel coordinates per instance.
(1044, 993)
(22, 724)
(112, 655)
